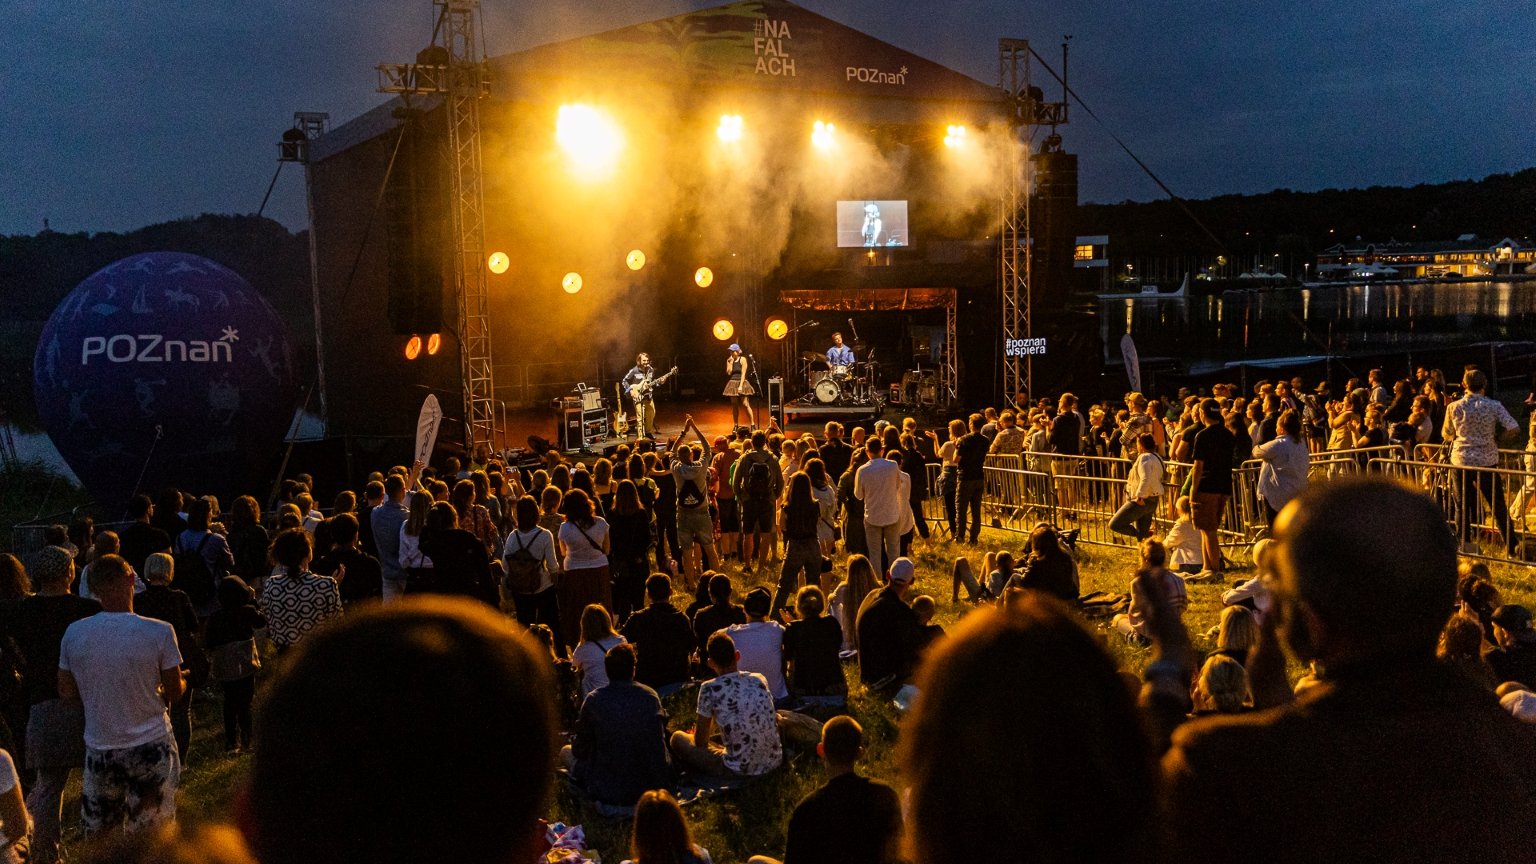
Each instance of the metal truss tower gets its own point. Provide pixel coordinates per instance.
(460, 75)
(1026, 108)
(308, 126)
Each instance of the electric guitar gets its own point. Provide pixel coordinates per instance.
(620, 421)
(642, 391)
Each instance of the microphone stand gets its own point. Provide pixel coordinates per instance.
(757, 384)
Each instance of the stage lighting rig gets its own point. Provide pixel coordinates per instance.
(635, 260)
(954, 136)
(723, 330)
(590, 138)
(776, 328)
(434, 342)
(571, 283)
(498, 263)
(822, 135)
(413, 348)
(703, 277)
(730, 128)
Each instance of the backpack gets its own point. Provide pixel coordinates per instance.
(759, 484)
(524, 571)
(192, 574)
(689, 493)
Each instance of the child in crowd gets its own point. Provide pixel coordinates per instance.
(924, 607)
(1183, 541)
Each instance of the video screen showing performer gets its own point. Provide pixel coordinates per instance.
(738, 388)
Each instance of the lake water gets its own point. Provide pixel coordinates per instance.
(1344, 321)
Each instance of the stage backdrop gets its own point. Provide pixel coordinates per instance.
(169, 366)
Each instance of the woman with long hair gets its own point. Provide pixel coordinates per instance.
(530, 590)
(604, 485)
(214, 550)
(597, 638)
(661, 833)
(1050, 567)
(248, 541)
(802, 549)
(460, 563)
(826, 500)
(852, 506)
(14, 583)
(860, 583)
(738, 388)
(584, 545)
(416, 564)
(473, 516)
(629, 526)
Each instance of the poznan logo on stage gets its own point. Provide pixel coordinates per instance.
(156, 348)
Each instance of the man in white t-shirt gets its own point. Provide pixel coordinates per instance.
(125, 670)
(760, 643)
(739, 705)
(15, 825)
(878, 483)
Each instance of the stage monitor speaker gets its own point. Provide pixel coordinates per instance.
(776, 400)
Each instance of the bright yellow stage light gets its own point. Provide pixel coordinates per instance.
(590, 138)
(821, 135)
(498, 263)
(729, 130)
(954, 136)
(723, 330)
(703, 277)
(413, 348)
(571, 283)
(776, 328)
(635, 259)
(434, 342)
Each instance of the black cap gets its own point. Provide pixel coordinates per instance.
(1512, 617)
(759, 600)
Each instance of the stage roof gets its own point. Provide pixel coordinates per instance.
(869, 299)
(770, 48)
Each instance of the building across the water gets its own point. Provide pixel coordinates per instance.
(1466, 256)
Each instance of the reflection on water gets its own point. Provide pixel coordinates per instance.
(1342, 320)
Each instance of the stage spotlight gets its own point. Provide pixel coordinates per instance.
(724, 330)
(954, 136)
(571, 283)
(821, 135)
(434, 342)
(498, 263)
(776, 328)
(729, 130)
(635, 259)
(413, 348)
(590, 138)
(703, 277)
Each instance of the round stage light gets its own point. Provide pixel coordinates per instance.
(703, 277)
(635, 259)
(954, 136)
(571, 283)
(413, 348)
(723, 330)
(729, 130)
(498, 263)
(776, 328)
(434, 342)
(590, 138)
(821, 135)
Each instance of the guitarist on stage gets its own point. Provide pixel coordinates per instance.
(640, 382)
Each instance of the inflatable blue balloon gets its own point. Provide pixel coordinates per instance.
(169, 366)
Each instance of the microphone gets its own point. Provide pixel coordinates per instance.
(809, 324)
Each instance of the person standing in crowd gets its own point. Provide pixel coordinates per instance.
(889, 634)
(15, 823)
(248, 541)
(758, 485)
(800, 519)
(662, 636)
(55, 728)
(1211, 481)
(460, 562)
(233, 658)
(373, 497)
(879, 485)
(1474, 426)
(141, 538)
(1143, 491)
(949, 484)
(970, 460)
(740, 704)
(721, 465)
(530, 566)
(125, 670)
(375, 684)
(620, 746)
(848, 820)
(161, 602)
(915, 465)
(738, 388)
(629, 540)
(200, 539)
(1286, 464)
(695, 526)
(1009, 440)
(388, 519)
(295, 600)
(1363, 760)
(834, 451)
(364, 580)
(584, 541)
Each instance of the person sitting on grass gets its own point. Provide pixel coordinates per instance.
(1185, 553)
(597, 638)
(332, 780)
(848, 820)
(889, 634)
(1133, 624)
(620, 747)
(660, 834)
(811, 646)
(760, 644)
(1236, 634)
(1001, 574)
(1221, 688)
(720, 614)
(1513, 656)
(1050, 566)
(740, 704)
(662, 636)
(924, 607)
(849, 596)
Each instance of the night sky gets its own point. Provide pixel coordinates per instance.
(121, 113)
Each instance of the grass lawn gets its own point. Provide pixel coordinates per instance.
(752, 820)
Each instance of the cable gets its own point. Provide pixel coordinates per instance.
(1137, 159)
(263, 208)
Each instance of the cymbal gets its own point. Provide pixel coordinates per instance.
(813, 356)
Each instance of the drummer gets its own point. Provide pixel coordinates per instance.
(839, 354)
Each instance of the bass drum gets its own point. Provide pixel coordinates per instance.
(827, 391)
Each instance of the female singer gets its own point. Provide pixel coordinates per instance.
(737, 388)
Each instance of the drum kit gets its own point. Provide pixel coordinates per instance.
(838, 383)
